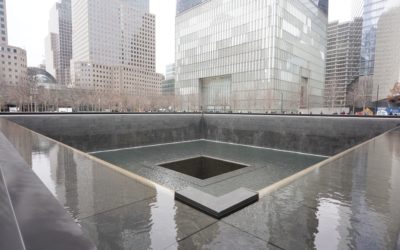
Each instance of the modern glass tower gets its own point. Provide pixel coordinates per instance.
(387, 52)
(184, 5)
(59, 42)
(373, 10)
(253, 56)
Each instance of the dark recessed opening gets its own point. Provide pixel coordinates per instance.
(202, 167)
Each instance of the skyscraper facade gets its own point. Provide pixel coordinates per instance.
(342, 60)
(372, 11)
(114, 47)
(184, 5)
(168, 85)
(387, 53)
(13, 68)
(250, 55)
(3, 23)
(59, 42)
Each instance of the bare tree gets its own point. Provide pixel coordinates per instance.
(394, 96)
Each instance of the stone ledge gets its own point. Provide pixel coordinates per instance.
(217, 207)
(10, 236)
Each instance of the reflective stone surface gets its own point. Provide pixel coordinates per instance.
(315, 135)
(151, 224)
(92, 132)
(222, 236)
(266, 166)
(84, 187)
(352, 203)
(42, 221)
(10, 236)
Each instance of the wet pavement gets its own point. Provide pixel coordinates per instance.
(351, 203)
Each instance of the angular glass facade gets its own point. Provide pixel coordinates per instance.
(251, 55)
(59, 42)
(184, 5)
(387, 53)
(323, 5)
(372, 12)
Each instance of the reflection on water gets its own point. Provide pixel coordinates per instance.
(353, 203)
(163, 212)
(42, 167)
(332, 226)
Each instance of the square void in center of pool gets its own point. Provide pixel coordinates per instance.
(203, 167)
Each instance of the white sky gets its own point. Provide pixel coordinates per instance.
(28, 26)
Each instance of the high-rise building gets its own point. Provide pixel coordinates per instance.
(251, 55)
(364, 86)
(168, 85)
(342, 60)
(3, 23)
(59, 42)
(387, 54)
(372, 11)
(13, 68)
(114, 47)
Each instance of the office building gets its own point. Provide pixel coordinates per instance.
(113, 46)
(168, 85)
(372, 12)
(3, 23)
(364, 86)
(342, 60)
(13, 68)
(387, 54)
(59, 42)
(258, 56)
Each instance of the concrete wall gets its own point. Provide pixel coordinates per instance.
(316, 135)
(102, 132)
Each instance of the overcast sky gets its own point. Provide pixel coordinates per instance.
(28, 26)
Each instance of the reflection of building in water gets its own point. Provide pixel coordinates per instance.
(20, 138)
(163, 214)
(66, 173)
(360, 202)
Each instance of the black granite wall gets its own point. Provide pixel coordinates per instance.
(103, 132)
(308, 134)
(42, 221)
